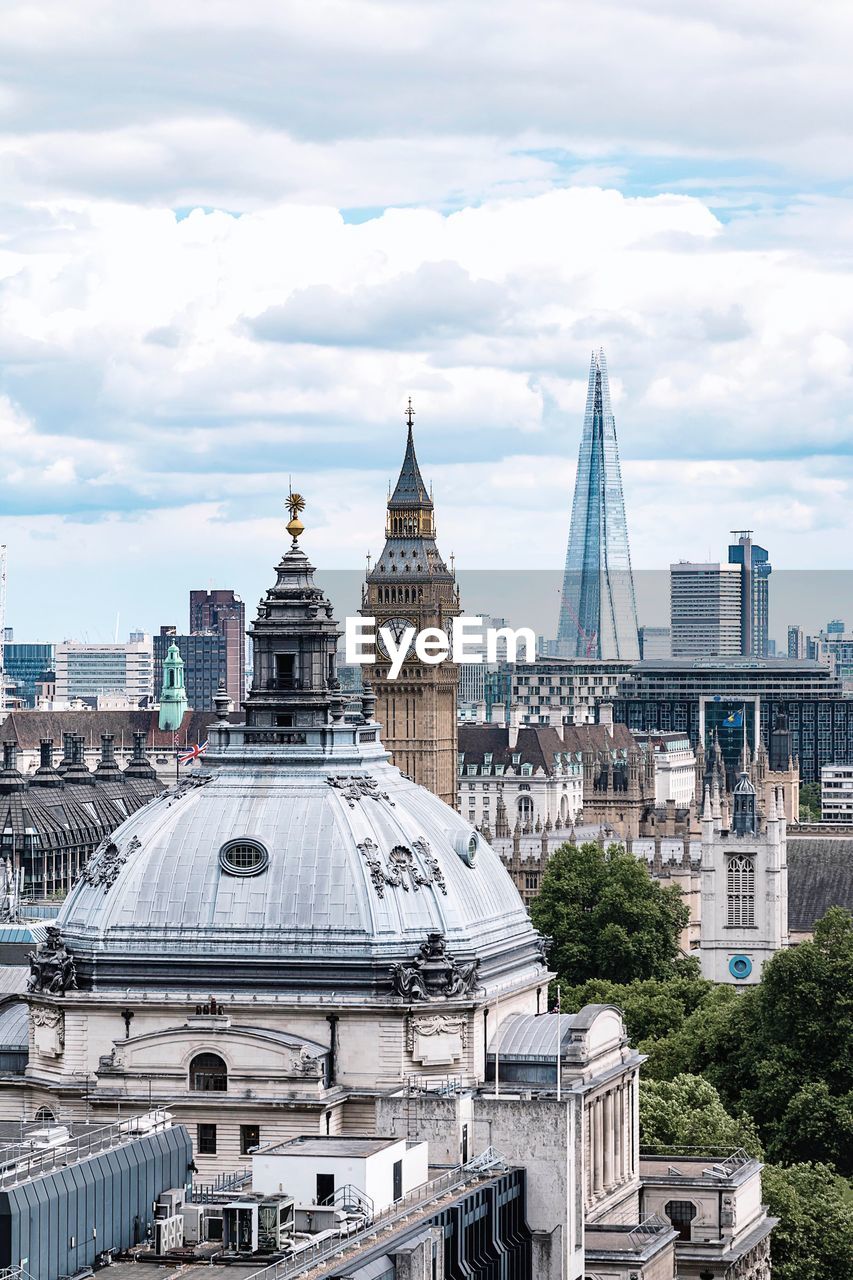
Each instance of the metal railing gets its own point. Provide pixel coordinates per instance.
(650, 1226)
(489, 1162)
(18, 1164)
(205, 1192)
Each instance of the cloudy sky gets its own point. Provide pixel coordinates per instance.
(234, 238)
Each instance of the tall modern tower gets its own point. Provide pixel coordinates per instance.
(755, 570)
(598, 611)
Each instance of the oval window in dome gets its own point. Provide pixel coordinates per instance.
(243, 857)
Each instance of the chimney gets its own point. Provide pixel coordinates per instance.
(480, 712)
(46, 753)
(605, 716)
(138, 746)
(10, 752)
(107, 752)
(499, 713)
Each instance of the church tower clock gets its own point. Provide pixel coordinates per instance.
(411, 586)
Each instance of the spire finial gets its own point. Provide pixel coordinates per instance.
(410, 413)
(295, 503)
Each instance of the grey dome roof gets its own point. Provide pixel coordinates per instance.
(174, 912)
(366, 884)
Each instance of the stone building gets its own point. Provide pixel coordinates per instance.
(53, 819)
(411, 586)
(510, 774)
(302, 940)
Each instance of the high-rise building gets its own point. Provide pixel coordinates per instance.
(755, 569)
(224, 612)
(836, 627)
(598, 611)
(25, 665)
(205, 664)
(411, 586)
(103, 670)
(705, 609)
(655, 642)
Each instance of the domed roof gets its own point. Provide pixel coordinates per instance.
(298, 859)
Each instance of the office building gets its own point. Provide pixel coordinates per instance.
(222, 612)
(796, 642)
(705, 609)
(741, 700)
(25, 665)
(562, 690)
(598, 611)
(205, 659)
(91, 671)
(655, 642)
(836, 793)
(755, 569)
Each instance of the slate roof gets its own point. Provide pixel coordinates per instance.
(538, 744)
(820, 876)
(410, 490)
(27, 728)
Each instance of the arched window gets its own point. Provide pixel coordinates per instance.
(740, 891)
(44, 1116)
(208, 1074)
(681, 1213)
(525, 810)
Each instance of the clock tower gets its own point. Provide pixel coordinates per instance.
(411, 586)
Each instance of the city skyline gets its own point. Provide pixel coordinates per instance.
(250, 288)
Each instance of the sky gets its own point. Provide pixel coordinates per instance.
(235, 238)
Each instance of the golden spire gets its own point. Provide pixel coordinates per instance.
(295, 503)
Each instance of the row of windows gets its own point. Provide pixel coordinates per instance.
(250, 1138)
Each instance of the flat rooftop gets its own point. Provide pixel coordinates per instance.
(318, 1145)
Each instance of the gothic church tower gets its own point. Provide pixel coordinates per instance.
(411, 586)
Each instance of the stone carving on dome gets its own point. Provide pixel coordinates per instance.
(439, 1024)
(48, 1030)
(107, 861)
(356, 786)
(433, 973)
(51, 966)
(402, 870)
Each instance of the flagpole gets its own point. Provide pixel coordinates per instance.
(497, 1049)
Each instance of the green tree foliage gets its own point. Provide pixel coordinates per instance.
(810, 802)
(607, 917)
(814, 1238)
(687, 1112)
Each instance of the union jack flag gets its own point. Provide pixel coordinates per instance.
(193, 753)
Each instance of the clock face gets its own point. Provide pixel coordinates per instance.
(396, 627)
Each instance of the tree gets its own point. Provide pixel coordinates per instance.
(810, 806)
(816, 1125)
(687, 1112)
(814, 1238)
(607, 917)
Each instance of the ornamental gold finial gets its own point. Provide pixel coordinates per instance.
(295, 503)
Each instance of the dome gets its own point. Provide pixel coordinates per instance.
(298, 859)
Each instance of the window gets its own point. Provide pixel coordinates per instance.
(681, 1213)
(206, 1140)
(284, 670)
(243, 857)
(740, 890)
(208, 1074)
(325, 1187)
(44, 1116)
(250, 1137)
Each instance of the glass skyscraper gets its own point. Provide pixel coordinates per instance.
(598, 611)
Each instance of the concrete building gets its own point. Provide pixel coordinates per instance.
(836, 793)
(564, 690)
(655, 642)
(674, 767)
(301, 941)
(796, 642)
(755, 569)
(92, 670)
(205, 658)
(222, 613)
(705, 609)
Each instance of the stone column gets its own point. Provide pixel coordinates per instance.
(598, 1149)
(608, 1140)
(618, 1175)
(627, 1139)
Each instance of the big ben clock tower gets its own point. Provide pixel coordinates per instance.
(411, 586)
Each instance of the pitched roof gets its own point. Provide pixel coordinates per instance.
(410, 490)
(538, 744)
(27, 728)
(820, 876)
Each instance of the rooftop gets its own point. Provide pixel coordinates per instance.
(331, 1145)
